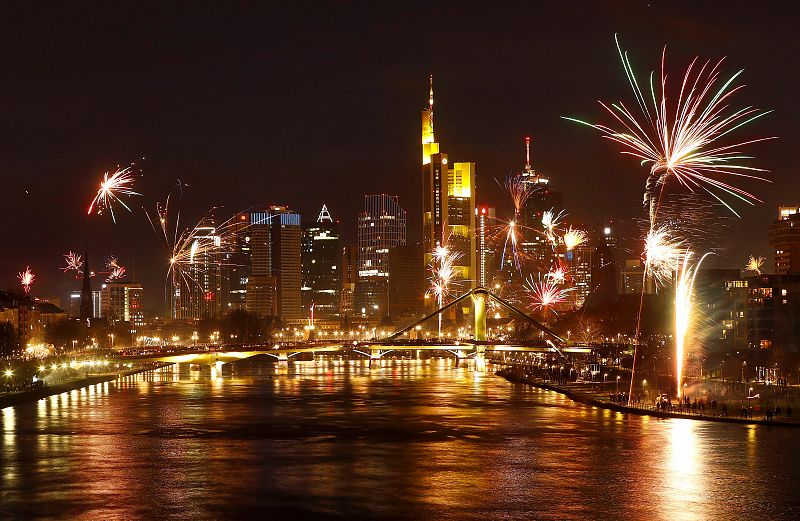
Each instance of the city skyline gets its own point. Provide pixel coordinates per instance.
(494, 144)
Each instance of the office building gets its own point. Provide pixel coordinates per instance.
(196, 285)
(381, 226)
(257, 274)
(322, 266)
(534, 243)
(784, 238)
(285, 232)
(122, 302)
(406, 283)
(485, 219)
(448, 205)
(349, 279)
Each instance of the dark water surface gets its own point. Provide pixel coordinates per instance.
(406, 439)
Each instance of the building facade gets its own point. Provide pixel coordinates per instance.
(448, 205)
(784, 238)
(122, 302)
(285, 233)
(381, 226)
(485, 219)
(322, 266)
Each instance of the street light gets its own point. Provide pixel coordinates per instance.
(617, 383)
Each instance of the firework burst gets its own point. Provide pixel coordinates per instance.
(26, 278)
(116, 271)
(557, 275)
(681, 139)
(661, 254)
(754, 264)
(550, 222)
(574, 238)
(111, 188)
(442, 275)
(192, 252)
(520, 190)
(544, 294)
(74, 262)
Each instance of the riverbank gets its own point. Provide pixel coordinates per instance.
(29, 396)
(594, 401)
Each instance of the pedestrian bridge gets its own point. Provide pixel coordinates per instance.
(401, 341)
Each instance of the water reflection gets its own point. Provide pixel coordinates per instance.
(338, 438)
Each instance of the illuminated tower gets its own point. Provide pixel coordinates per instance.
(486, 217)
(534, 244)
(321, 262)
(448, 205)
(381, 226)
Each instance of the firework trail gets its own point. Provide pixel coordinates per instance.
(519, 190)
(754, 264)
(544, 294)
(26, 278)
(574, 238)
(442, 276)
(681, 139)
(74, 262)
(111, 188)
(684, 287)
(192, 251)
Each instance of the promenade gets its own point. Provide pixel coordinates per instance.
(730, 411)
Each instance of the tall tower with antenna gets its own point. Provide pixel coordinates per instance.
(448, 204)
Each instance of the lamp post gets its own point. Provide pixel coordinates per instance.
(617, 383)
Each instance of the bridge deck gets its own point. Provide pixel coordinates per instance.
(207, 357)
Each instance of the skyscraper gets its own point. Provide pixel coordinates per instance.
(122, 302)
(534, 243)
(784, 238)
(322, 266)
(255, 249)
(349, 279)
(448, 205)
(406, 283)
(196, 291)
(237, 264)
(382, 225)
(485, 219)
(285, 234)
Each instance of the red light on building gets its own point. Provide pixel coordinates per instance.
(208, 296)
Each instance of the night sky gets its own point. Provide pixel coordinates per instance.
(304, 104)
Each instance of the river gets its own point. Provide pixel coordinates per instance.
(403, 439)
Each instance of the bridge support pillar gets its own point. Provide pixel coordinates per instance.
(283, 358)
(480, 358)
(374, 356)
(479, 308)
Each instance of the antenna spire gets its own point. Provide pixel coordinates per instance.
(527, 152)
(324, 215)
(430, 103)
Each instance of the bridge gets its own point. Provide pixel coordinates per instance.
(475, 348)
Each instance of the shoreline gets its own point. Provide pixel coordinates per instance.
(588, 400)
(32, 396)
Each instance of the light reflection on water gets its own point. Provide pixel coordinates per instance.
(400, 439)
